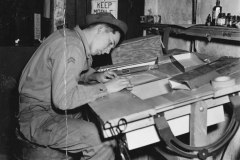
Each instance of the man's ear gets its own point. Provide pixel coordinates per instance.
(100, 28)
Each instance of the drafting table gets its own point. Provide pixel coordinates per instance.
(185, 110)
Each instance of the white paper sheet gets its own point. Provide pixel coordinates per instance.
(152, 89)
(142, 78)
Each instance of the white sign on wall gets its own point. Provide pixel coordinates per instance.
(37, 26)
(110, 6)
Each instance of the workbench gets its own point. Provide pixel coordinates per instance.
(185, 110)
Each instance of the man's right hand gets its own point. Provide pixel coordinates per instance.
(117, 84)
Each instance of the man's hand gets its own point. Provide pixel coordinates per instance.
(118, 84)
(105, 76)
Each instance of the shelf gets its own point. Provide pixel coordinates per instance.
(210, 32)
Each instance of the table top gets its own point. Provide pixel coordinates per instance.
(126, 105)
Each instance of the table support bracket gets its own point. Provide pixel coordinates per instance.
(202, 152)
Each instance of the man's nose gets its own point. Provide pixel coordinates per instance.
(107, 50)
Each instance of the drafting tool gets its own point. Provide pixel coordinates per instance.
(131, 70)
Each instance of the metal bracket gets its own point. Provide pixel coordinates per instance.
(208, 37)
(166, 38)
(203, 152)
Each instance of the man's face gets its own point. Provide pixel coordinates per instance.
(104, 41)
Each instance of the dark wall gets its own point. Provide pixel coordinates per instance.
(7, 15)
(129, 11)
(76, 11)
(16, 21)
(12, 62)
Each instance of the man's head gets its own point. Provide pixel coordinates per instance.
(104, 32)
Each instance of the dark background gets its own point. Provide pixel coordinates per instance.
(16, 22)
(16, 18)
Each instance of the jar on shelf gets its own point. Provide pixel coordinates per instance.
(208, 20)
(238, 18)
(229, 20)
(221, 19)
(234, 20)
(237, 25)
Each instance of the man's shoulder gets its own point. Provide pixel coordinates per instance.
(71, 35)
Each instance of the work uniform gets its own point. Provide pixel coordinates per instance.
(50, 83)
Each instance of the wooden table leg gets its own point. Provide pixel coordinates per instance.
(198, 125)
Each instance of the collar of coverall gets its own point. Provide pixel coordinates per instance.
(84, 39)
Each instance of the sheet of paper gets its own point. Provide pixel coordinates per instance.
(152, 89)
(177, 85)
(142, 78)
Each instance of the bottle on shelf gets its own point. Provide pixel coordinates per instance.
(208, 21)
(215, 12)
(238, 19)
(234, 20)
(238, 22)
(230, 22)
(221, 19)
(227, 19)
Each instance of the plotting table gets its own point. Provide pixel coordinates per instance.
(185, 110)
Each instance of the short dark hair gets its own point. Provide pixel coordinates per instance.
(113, 28)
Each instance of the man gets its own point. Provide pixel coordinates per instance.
(55, 79)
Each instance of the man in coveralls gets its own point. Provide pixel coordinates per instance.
(50, 82)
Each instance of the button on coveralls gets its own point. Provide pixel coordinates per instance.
(50, 80)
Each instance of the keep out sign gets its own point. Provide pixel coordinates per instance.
(110, 6)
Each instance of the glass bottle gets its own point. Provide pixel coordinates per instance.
(221, 19)
(227, 19)
(215, 12)
(234, 19)
(230, 20)
(208, 21)
(238, 19)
